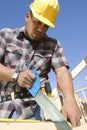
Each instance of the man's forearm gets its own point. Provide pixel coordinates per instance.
(6, 73)
(65, 83)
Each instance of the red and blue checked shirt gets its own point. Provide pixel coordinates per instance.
(20, 52)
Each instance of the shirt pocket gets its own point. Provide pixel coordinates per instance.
(43, 54)
(13, 54)
(43, 59)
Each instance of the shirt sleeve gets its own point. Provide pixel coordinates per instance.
(3, 36)
(2, 43)
(58, 58)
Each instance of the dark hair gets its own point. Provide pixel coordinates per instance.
(31, 13)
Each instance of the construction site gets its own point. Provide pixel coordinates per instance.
(57, 99)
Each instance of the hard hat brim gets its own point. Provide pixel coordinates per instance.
(43, 19)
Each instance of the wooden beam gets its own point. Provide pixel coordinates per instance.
(16, 124)
(83, 127)
(34, 126)
(81, 89)
(28, 126)
(79, 68)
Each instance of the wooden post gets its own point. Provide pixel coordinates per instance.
(79, 68)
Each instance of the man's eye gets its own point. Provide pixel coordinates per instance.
(37, 22)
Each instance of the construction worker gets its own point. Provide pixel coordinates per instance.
(27, 48)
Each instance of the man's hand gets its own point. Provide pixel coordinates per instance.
(71, 112)
(70, 109)
(26, 79)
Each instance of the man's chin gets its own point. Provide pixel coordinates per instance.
(37, 38)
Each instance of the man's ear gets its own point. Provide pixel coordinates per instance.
(27, 16)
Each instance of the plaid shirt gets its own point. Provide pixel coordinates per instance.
(20, 52)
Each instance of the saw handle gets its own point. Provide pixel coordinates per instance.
(36, 85)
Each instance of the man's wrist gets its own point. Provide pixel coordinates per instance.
(15, 75)
(69, 99)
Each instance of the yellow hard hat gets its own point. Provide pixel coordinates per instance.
(46, 11)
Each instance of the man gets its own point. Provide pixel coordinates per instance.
(27, 48)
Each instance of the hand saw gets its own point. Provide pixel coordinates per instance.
(44, 102)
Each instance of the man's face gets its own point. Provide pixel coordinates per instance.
(34, 28)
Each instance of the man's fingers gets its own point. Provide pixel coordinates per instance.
(74, 122)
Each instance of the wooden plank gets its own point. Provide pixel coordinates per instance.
(79, 68)
(34, 126)
(83, 127)
(6, 124)
(28, 126)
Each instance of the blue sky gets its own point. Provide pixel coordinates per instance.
(71, 30)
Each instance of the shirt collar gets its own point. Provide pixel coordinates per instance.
(21, 35)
